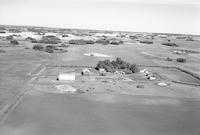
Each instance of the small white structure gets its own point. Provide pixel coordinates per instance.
(97, 54)
(66, 77)
(143, 71)
(149, 75)
(151, 78)
(85, 71)
(119, 72)
(102, 72)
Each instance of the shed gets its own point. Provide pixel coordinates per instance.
(151, 78)
(119, 72)
(85, 71)
(102, 72)
(143, 71)
(66, 77)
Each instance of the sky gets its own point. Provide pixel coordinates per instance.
(165, 16)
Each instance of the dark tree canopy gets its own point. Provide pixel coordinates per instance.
(50, 39)
(118, 64)
(14, 42)
(170, 44)
(38, 47)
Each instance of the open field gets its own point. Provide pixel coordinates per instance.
(49, 114)
(110, 104)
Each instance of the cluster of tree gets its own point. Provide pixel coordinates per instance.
(65, 35)
(105, 41)
(50, 39)
(2, 32)
(89, 42)
(14, 42)
(48, 48)
(133, 37)
(9, 37)
(146, 42)
(38, 47)
(33, 40)
(169, 59)
(63, 45)
(80, 42)
(181, 37)
(30, 38)
(181, 60)
(118, 64)
(2, 51)
(170, 44)
(15, 30)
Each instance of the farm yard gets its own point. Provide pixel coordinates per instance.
(53, 73)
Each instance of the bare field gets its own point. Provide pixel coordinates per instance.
(110, 104)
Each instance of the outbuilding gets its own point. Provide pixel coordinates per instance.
(119, 72)
(102, 72)
(66, 77)
(151, 78)
(85, 71)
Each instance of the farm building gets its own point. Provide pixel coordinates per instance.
(66, 77)
(85, 71)
(119, 72)
(151, 78)
(102, 72)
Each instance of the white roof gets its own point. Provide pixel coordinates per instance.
(66, 76)
(86, 70)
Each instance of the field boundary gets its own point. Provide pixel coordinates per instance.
(71, 66)
(9, 106)
(38, 70)
(140, 65)
(178, 68)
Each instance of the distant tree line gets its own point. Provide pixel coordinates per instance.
(170, 44)
(80, 42)
(146, 42)
(50, 39)
(48, 48)
(14, 42)
(183, 60)
(102, 41)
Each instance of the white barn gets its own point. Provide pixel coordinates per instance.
(66, 77)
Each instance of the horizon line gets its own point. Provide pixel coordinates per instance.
(57, 27)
